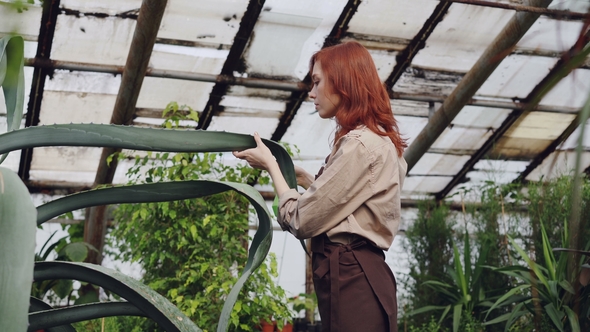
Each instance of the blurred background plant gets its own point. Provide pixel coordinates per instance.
(192, 250)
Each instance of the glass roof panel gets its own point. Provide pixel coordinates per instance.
(571, 91)
(244, 125)
(206, 21)
(237, 90)
(76, 81)
(540, 125)
(384, 61)
(310, 133)
(497, 165)
(30, 50)
(480, 117)
(551, 35)
(77, 107)
(423, 81)
(251, 106)
(531, 134)
(26, 22)
(439, 164)
(411, 108)
(72, 164)
(158, 92)
(391, 18)
(559, 163)
(464, 140)
(498, 177)
(518, 147)
(572, 141)
(188, 59)
(92, 40)
(276, 47)
(582, 6)
(425, 184)
(462, 36)
(327, 12)
(516, 76)
(410, 126)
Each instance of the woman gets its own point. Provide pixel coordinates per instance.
(351, 210)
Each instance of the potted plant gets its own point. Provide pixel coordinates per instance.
(302, 304)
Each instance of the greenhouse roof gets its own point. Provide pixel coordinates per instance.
(462, 77)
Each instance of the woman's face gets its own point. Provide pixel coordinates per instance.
(326, 102)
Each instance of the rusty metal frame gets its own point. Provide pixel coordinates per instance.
(404, 59)
(276, 84)
(232, 62)
(45, 42)
(142, 44)
(552, 13)
(471, 82)
(556, 71)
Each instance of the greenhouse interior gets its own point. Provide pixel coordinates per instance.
(121, 201)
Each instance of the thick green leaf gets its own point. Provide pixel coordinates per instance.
(517, 312)
(567, 286)
(62, 288)
(498, 319)
(12, 80)
(548, 254)
(457, 311)
(555, 316)
(460, 280)
(17, 251)
(533, 266)
(426, 309)
(507, 298)
(444, 314)
(154, 305)
(587, 253)
(169, 191)
(467, 260)
(75, 252)
(145, 139)
(572, 318)
(78, 313)
(38, 305)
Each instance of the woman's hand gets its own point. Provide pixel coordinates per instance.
(259, 157)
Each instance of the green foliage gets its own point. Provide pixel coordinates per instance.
(543, 289)
(430, 326)
(550, 207)
(192, 250)
(12, 80)
(54, 292)
(465, 294)
(305, 303)
(112, 324)
(429, 246)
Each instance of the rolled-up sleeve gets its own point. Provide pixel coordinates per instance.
(344, 185)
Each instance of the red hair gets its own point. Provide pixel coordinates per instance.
(351, 73)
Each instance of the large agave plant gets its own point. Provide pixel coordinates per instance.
(18, 215)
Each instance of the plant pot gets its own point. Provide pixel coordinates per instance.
(286, 328)
(267, 327)
(299, 325)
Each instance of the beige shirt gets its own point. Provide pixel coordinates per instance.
(358, 193)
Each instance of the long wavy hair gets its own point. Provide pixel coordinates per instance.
(351, 73)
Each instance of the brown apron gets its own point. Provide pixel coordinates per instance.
(356, 290)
